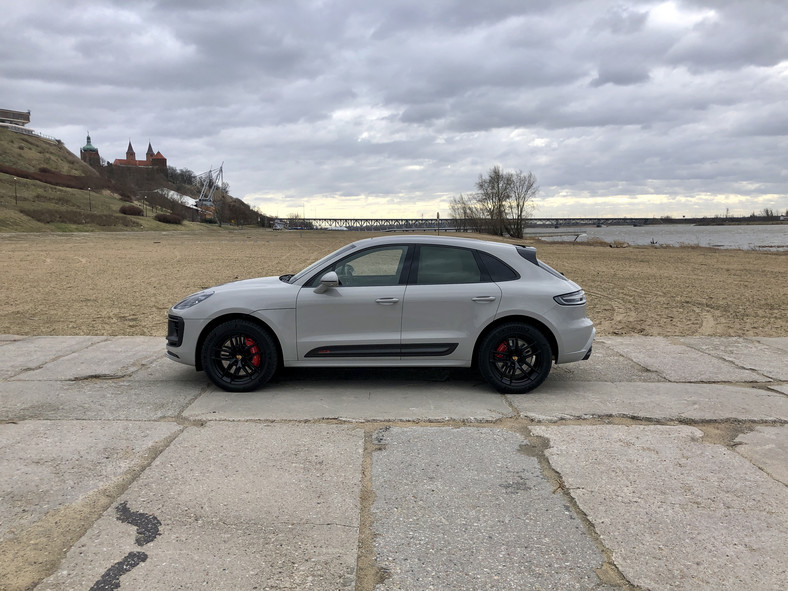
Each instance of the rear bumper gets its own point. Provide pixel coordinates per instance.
(581, 353)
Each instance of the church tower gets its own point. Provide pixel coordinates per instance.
(90, 154)
(131, 157)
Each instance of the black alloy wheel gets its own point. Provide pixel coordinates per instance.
(515, 358)
(239, 356)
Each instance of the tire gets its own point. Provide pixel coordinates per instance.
(239, 356)
(515, 358)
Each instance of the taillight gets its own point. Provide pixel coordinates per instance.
(576, 298)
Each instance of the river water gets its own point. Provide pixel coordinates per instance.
(757, 237)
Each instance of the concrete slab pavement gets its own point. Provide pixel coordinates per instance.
(746, 353)
(667, 505)
(21, 354)
(109, 358)
(648, 401)
(49, 464)
(767, 448)
(372, 480)
(234, 506)
(469, 508)
(679, 363)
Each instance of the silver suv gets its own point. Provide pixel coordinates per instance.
(390, 302)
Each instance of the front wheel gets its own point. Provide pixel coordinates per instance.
(515, 358)
(239, 356)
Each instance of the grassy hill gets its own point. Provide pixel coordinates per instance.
(46, 188)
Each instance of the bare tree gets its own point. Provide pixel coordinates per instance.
(466, 214)
(502, 204)
(492, 197)
(523, 189)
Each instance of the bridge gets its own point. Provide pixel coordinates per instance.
(452, 225)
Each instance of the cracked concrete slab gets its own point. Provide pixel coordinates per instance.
(778, 342)
(677, 513)
(767, 448)
(467, 509)
(232, 484)
(113, 358)
(26, 353)
(659, 401)
(679, 363)
(47, 465)
(751, 354)
(239, 506)
(605, 365)
(95, 400)
(163, 369)
(353, 401)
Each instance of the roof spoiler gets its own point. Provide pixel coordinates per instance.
(528, 253)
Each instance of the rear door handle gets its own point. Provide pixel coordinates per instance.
(386, 301)
(484, 299)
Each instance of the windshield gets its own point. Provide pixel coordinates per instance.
(320, 263)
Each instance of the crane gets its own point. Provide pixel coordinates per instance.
(205, 203)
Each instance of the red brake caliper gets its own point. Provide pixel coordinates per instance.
(255, 352)
(502, 348)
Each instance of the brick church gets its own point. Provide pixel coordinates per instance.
(90, 154)
(157, 161)
(128, 169)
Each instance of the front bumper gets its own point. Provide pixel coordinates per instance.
(175, 325)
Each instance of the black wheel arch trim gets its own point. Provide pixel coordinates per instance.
(226, 318)
(540, 326)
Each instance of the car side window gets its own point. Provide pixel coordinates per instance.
(439, 265)
(374, 266)
(497, 269)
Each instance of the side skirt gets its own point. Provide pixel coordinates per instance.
(362, 351)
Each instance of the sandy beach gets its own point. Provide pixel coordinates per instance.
(124, 283)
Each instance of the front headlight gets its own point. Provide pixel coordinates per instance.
(576, 298)
(193, 300)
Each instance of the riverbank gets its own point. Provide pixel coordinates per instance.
(769, 237)
(122, 284)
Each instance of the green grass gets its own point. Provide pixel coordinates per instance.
(33, 206)
(32, 153)
(51, 202)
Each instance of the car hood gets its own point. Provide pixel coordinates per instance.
(256, 283)
(248, 295)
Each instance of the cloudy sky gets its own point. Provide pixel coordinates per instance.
(380, 108)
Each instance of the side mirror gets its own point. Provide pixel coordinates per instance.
(330, 279)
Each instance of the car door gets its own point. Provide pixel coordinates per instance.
(449, 298)
(361, 318)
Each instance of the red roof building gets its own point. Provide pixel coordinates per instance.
(156, 160)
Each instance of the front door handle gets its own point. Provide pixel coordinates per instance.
(386, 301)
(484, 299)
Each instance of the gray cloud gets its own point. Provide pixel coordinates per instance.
(376, 107)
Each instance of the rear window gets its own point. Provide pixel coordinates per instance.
(496, 268)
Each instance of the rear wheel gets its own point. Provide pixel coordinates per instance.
(515, 358)
(239, 356)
